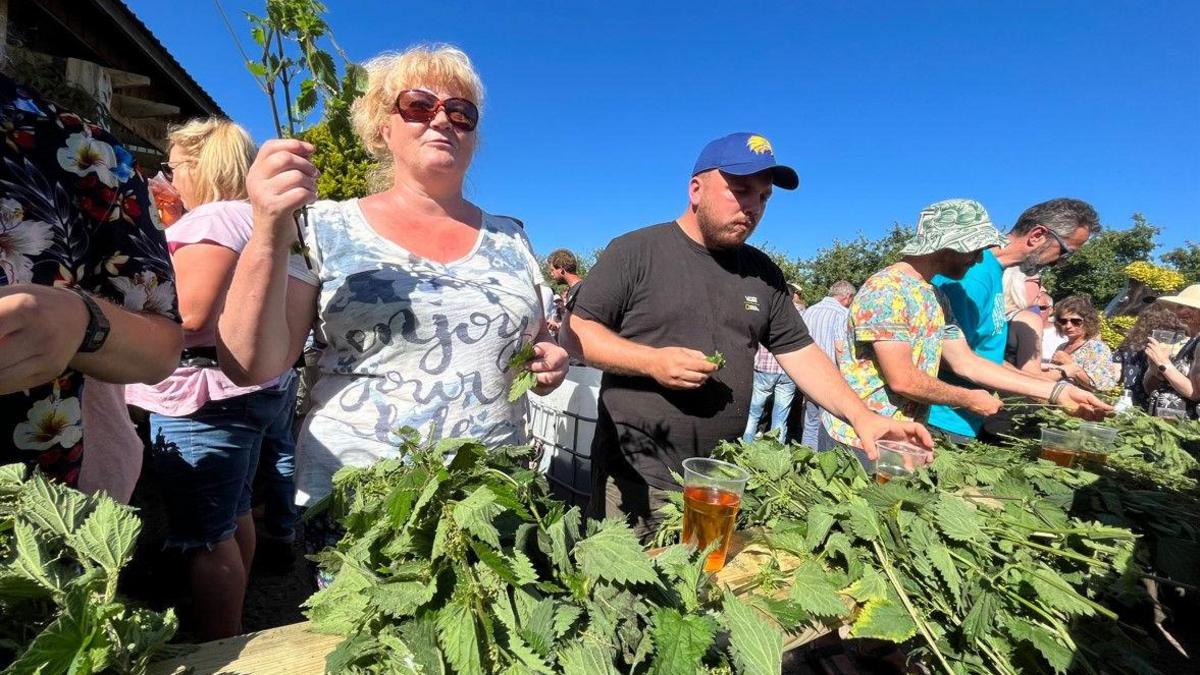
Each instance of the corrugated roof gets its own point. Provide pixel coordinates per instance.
(141, 34)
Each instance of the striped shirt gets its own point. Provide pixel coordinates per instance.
(826, 323)
(764, 362)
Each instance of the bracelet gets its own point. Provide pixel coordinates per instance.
(1056, 392)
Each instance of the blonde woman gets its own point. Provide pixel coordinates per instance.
(422, 296)
(206, 431)
(1025, 324)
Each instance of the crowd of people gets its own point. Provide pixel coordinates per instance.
(209, 309)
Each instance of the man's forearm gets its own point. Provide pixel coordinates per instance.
(140, 347)
(991, 375)
(605, 349)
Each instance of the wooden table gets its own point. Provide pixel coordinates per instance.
(293, 650)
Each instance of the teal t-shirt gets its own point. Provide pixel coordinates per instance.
(978, 303)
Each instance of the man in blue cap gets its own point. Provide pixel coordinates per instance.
(660, 300)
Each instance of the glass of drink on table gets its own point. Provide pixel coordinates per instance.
(1096, 441)
(1170, 410)
(712, 494)
(1060, 446)
(897, 458)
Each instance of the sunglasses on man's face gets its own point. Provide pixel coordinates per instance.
(418, 105)
(1064, 251)
(1069, 321)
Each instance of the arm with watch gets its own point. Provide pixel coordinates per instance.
(45, 329)
(1162, 369)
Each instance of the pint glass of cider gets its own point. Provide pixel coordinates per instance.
(712, 494)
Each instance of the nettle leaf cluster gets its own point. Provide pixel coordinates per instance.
(60, 554)
(456, 560)
(974, 564)
(1148, 484)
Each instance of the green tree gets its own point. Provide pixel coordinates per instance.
(852, 260)
(1097, 269)
(1186, 261)
(345, 165)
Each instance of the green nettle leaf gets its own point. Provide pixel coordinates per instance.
(870, 586)
(586, 658)
(982, 616)
(863, 520)
(957, 518)
(522, 383)
(566, 618)
(32, 560)
(820, 520)
(680, 641)
(614, 553)
(62, 646)
(757, 646)
(884, 619)
(340, 607)
(108, 535)
(940, 557)
(523, 568)
(401, 598)
(1055, 593)
(459, 637)
(476, 513)
(53, 507)
(815, 592)
(1057, 654)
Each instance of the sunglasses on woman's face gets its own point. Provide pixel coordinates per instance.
(1069, 321)
(167, 170)
(417, 105)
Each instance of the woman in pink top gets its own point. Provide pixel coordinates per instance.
(206, 432)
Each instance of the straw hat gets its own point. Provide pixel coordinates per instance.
(1188, 297)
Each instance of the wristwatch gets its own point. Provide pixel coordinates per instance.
(97, 326)
(1162, 367)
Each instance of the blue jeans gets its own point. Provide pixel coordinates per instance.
(277, 470)
(206, 463)
(766, 384)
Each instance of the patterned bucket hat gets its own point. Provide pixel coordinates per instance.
(957, 224)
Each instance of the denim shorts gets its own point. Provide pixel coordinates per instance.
(206, 463)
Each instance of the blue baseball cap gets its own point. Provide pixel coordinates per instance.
(743, 154)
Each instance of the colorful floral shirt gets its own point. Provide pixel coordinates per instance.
(890, 306)
(74, 210)
(1096, 359)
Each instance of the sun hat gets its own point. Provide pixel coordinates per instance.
(957, 224)
(1188, 297)
(744, 154)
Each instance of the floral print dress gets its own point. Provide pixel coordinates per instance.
(74, 211)
(1096, 359)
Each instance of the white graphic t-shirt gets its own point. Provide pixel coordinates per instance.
(411, 342)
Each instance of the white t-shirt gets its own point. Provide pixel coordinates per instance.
(412, 342)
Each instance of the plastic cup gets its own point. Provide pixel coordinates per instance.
(1096, 441)
(1168, 337)
(1170, 411)
(1060, 446)
(712, 495)
(897, 458)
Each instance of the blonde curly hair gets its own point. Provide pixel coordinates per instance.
(436, 66)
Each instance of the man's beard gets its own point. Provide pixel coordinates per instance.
(1032, 264)
(717, 234)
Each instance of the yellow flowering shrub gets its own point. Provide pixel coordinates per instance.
(1153, 276)
(1113, 330)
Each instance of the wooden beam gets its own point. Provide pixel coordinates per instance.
(122, 79)
(138, 108)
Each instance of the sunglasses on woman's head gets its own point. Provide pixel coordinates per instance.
(417, 105)
(1069, 321)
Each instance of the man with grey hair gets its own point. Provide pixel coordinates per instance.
(1044, 235)
(826, 321)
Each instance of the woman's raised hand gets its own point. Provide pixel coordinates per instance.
(281, 181)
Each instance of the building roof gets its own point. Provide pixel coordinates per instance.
(141, 35)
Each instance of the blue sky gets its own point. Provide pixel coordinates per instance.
(596, 111)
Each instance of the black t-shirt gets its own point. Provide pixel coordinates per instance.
(657, 287)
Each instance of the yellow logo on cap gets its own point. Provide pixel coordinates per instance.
(759, 145)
